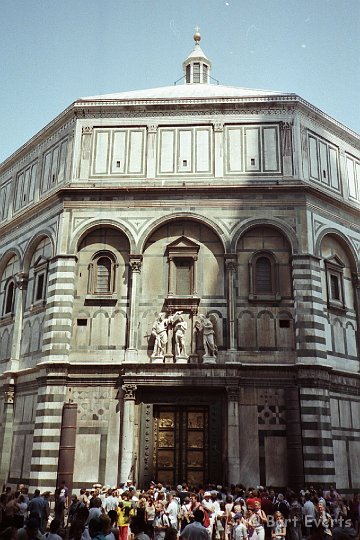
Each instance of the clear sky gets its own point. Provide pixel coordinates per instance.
(55, 51)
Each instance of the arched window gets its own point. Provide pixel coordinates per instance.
(9, 297)
(263, 276)
(263, 270)
(102, 274)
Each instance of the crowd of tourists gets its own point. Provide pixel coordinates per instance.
(162, 513)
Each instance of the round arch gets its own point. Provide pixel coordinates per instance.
(92, 225)
(182, 216)
(33, 243)
(4, 259)
(281, 226)
(343, 240)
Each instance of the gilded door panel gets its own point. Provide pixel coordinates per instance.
(181, 444)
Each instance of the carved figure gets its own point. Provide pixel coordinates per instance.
(205, 326)
(180, 330)
(159, 331)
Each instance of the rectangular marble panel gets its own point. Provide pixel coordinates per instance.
(62, 161)
(234, 150)
(184, 162)
(202, 150)
(27, 456)
(341, 464)
(54, 167)
(46, 170)
(87, 458)
(357, 170)
(19, 190)
(112, 449)
(334, 411)
(355, 413)
(354, 459)
(350, 167)
(167, 151)
(249, 445)
(252, 149)
(334, 168)
(270, 145)
(118, 157)
(136, 152)
(101, 152)
(17, 453)
(32, 182)
(314, 170)
(275, 461)
(345, 416)
(324, 169)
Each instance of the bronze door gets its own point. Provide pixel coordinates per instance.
(181, 444)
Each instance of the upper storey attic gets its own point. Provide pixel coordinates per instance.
(197, 66)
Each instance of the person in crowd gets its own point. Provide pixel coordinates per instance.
(30, 531)
(196, 530)
(323, 520)
(36, 506)
(161, 521)
(96, 529)
(54, 531)
(279, 527)
(137, 527)
(239, 531)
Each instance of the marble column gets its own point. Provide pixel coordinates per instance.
(20, 299)
(231, 265)
(6, 432)
(294, 438)
(131, 354)
(356, 285)
(128, 454)
(67, 445)
(233, 435)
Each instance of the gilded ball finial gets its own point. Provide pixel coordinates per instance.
(197, 35)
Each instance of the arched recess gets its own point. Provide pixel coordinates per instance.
(100, 288)
(86, 228)
(12, 252)
(343, 241)
(33, 244)
(10, 266)
(274, 223)
(37, 257)
(183, 269)
(338, 266)
(156, 224)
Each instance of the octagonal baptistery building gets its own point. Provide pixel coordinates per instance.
(179, 292)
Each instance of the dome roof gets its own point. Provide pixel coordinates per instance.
(185, 91)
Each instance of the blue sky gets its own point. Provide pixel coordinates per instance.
(55, 51)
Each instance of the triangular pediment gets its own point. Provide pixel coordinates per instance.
(183, 245)
(40, 261)
(335, 261)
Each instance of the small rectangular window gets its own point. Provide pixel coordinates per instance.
(252, 161)
(284, 323)
(118, 164)
(334, 287)
(39, 291)
(81, 322)
(184, 162)
(196, 72)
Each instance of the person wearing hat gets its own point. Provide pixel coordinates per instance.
(239, 530)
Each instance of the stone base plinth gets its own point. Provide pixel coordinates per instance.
(181, 359)
(157, 359)
(209, 359)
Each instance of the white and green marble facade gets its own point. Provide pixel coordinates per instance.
(237, 173)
